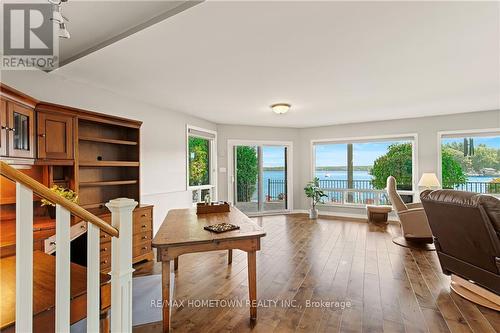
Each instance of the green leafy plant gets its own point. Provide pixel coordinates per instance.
(313, 191)
(198, 161)
(494, 186)
(397, 162)
(63, 192)
(247, 172)
(452, 170)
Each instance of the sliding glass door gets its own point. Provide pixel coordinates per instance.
(246, 175)
(260, 174)
(274, 176)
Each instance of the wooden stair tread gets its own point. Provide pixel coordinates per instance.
(44, 267)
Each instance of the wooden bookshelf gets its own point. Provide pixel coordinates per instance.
(108, 162)
(109, 183)
(97, 155)
(110, 141)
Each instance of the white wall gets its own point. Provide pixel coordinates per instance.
(163, 137)
(259, 133)
(163, 133)
(426, 128)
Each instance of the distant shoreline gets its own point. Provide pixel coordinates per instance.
(344, 168)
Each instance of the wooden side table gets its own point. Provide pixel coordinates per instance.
(378, 214)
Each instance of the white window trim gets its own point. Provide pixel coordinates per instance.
(212, 159)
(362, 139)
(440, 135)
(230, 168)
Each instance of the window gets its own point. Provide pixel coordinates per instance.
(470, 161)
(355, 171)
(201, 163)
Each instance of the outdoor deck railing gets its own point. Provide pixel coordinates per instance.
(361, 191)
(275, 190)
(479, 187)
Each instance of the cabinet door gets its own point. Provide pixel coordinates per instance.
(21, 131)
(55, 136)
(3, 127)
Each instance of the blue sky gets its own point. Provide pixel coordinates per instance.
(488, 141)
(336, 154)
(364, 153)
(273, 156)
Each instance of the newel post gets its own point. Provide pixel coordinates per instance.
(121, 264)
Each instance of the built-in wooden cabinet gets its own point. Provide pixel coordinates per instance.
(21, 132)
(17, 130)
(141, 241)
(55, 136)
(3, 127)
(108, 162)
(94, 154)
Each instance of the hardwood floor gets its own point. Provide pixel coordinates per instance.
(389, 288)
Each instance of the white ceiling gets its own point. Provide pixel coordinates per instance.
(335, 62)
(94, 24)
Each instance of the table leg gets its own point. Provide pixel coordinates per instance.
(229, 257)
(176, 263)
(252, 283)
(166, 295)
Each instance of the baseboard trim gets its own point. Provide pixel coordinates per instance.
(360, 217)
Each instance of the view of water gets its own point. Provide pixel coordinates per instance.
(342, 175)
(358, 175)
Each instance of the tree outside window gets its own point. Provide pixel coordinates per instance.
(471, 163)
(199, 161)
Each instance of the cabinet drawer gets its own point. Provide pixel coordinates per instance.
(141, 249)
(105, 260)
(142, 237)
(105, 249)
(104, 237)
(141, 215)
(142, 226)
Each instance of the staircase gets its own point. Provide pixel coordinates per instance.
(72, 283)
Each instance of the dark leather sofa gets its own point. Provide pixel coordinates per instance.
(466, 231)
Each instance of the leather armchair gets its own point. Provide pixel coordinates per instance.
(466, 229)
(413, 219)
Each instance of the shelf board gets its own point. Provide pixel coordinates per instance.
(104, 140)
(54, 162)
(109, 163)
(95, 205)
(109, 183)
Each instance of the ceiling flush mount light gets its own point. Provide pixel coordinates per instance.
(280, 108)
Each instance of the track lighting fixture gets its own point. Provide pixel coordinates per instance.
(59, 18)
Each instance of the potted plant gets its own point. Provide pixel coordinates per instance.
(314, 192)
(63, 192)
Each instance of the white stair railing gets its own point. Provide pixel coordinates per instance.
(121, 265)
(24, 258)
(121, 252)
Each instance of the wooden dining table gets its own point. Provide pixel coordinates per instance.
(182, 232)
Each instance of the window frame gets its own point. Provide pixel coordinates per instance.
(212, 158)
(468, 132)
(413, 137)
(230, 169)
